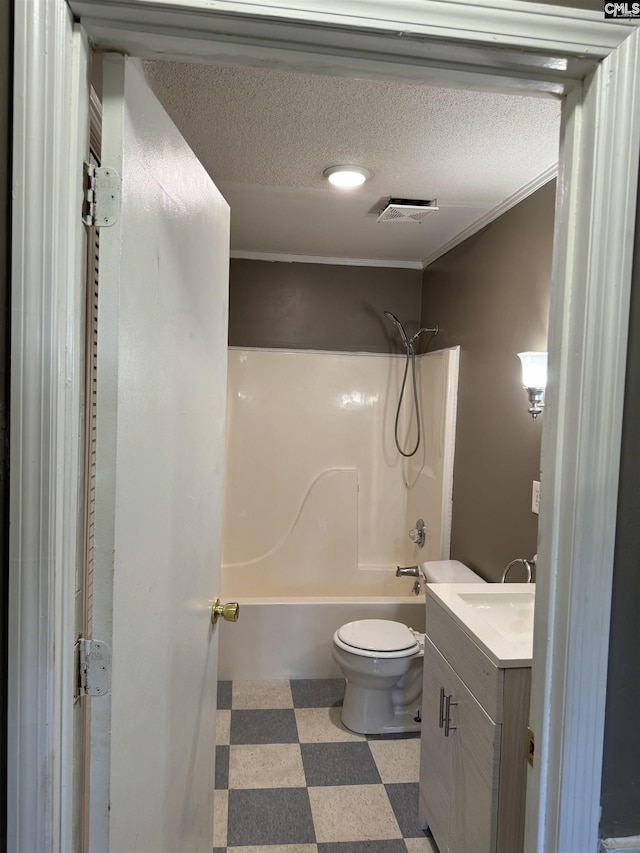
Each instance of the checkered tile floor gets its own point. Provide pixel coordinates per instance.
(290, 778)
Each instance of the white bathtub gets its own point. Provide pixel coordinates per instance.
(292, 637)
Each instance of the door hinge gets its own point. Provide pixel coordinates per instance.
(94, 667)
(101, 196)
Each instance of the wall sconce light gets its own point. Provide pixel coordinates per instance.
(534, 379)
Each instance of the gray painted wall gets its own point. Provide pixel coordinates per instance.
(620, 815)
(490, 295)
(320, 306)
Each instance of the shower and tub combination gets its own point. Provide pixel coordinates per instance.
(319, 502)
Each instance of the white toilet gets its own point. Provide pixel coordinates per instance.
(381, 661)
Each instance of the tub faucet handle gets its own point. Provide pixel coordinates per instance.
(418, 534)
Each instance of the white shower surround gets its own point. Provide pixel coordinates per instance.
(318, 502)
(317, 506)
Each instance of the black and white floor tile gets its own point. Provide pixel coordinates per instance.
(290, 778)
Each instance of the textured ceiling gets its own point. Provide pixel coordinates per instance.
(265, 137)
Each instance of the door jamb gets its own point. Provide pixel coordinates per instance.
(47, 280)
(588, 335)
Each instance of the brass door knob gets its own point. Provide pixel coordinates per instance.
(229, 612)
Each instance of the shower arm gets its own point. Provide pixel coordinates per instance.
(406, 340)
(433, 331)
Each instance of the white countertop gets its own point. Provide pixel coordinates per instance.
(498, 617)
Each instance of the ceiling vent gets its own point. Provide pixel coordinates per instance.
(407, 210)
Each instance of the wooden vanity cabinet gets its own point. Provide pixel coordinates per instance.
(474, 724)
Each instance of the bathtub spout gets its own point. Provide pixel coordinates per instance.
(411, 571)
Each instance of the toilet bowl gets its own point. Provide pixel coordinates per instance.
(381, 661)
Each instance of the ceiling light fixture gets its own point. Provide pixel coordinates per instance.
(347, 177)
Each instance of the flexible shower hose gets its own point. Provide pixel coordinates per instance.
(411, 356)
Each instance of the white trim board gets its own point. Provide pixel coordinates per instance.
(581, 450)
(564, 43)
(48, 298)
(275, 257)
(511, 46)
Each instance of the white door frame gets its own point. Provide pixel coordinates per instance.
(439, 41)
(49, 140)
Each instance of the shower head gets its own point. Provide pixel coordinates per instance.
(394, 319)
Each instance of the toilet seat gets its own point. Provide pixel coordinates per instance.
(379, 638)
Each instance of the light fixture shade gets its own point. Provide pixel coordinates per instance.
(534, 369)
(347, 177)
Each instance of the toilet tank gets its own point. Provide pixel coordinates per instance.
(449, 571)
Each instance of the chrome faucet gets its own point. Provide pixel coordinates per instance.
(529, 565)
(412, 572)
(408, 571)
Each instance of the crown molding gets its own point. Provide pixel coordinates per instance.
(276, 257)
(493, 214)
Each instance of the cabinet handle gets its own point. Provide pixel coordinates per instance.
(441, 717)
(448, 704)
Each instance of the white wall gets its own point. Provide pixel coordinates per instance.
(318, 501)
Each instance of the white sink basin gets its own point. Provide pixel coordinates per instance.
(498, 617)
(510, 613)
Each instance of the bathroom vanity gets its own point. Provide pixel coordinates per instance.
(477, 676)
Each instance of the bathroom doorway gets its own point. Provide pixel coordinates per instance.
(579, 107)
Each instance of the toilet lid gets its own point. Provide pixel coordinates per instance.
(377, 635)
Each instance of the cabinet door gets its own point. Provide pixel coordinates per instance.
(475, 747)
(435, 752)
